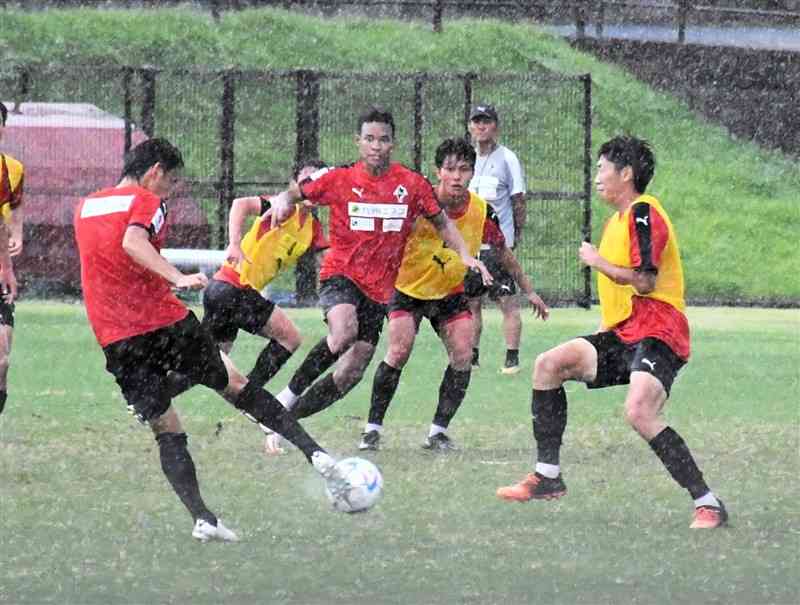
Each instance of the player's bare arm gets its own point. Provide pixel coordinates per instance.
(511, 264)
(241, 208)
(642, 281)
(283, 203)
(520, 216)
(8, 281)
(452, 237)
(15, 237)
(136, 242)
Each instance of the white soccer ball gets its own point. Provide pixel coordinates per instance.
(363, 485)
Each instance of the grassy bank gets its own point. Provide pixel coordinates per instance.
(734, 204)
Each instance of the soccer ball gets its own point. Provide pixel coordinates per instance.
(363, 485)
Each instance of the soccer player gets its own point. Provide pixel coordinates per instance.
(499, 179)
(431, 284)
(373, 205)
(232, 300)
(12, 177)
(643, 339)
(146, 332)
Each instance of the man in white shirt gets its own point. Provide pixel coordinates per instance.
(500, 180)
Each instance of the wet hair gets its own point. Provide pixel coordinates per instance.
(3, 114)
(377, 114)
(457, 147)
(316, 164)
(626, 150)
(148, 153)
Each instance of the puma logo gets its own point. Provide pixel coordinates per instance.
(358, 192)
(642, 219)
(439, 261)
(652, 364)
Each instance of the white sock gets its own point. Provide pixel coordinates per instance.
(287, 398)
(436, 429)
(708, 500)
(373, 427)
(551, 471)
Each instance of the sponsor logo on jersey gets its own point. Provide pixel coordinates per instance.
(401, 193)
(100, 206)
(376, 210)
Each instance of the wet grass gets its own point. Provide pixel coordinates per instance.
(87, 516)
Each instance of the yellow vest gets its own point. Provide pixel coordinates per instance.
(11, 180)
(616, 301)
(274, 250)
(430, 270)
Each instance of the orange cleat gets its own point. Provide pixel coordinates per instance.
(533, 487)
(709, 517)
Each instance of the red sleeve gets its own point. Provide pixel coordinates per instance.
(149, 212)
(318, 239)
(492, 234)
(322, 186)
(648, 234)
(428, 203)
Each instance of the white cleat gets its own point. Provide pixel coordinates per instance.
(272, 444)
(204, 531)
(325, 465)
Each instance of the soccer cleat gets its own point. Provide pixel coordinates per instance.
(204, 531)
(710, 517)
(272, 444)
(475, 366)
(509, 370)
(370, 440)
(325, 465)
(533, 487)
(439, 442)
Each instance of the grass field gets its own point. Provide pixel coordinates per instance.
(87, 517)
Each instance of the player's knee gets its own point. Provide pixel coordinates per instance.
(548, 366)
(397, 355)
(5, 360)
(638, 415)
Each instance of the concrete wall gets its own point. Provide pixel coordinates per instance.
(755, 94)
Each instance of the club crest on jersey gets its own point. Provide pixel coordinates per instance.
(401, 193)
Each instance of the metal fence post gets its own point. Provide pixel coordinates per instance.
(418, 121)
(227, 138)
(148, 77)
(306, 148)
(438, 9)
(601, 17)
(580, 20)
(468, 78)
(586, 299)
(127, 100)
(23, 86)
(683, 14)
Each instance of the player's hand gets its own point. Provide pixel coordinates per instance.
(8, 283)
(235, 255)
(474, 264)
(193, 281)
(540, 309)
(281, 208)
(588, 254)
(14, 246)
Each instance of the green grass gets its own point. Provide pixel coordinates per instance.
(87, 516)
(734, 205)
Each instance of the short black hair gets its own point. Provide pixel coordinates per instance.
(317, 164)
(3, 114)
(149, 153)
(457, 147)
(378, 114)
(625, 150)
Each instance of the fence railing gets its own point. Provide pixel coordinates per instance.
(678, 14)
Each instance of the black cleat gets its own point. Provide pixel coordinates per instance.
(439, 442)
(371, 440)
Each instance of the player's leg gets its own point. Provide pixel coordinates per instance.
(402, 332)
(457, 338)
(6, 337)
(654, 368)
(270, 321)
(576, 359)
(512, 331)
(476, 310)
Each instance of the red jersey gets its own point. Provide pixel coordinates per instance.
(122, 298)
(370, 220)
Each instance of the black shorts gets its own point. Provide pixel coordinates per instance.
(616, 360)
(338, 290)
(6, 314)
(439, 312)
(229, 309)
(140, 364)
(503, 284)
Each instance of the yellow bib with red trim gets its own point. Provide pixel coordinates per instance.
(273, 250)
(12, 177)
(430, 270)
(616, 300)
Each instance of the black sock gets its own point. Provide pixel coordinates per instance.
(512, 357)
(476, 354)
(674, 453)
(177, 464)
(268, 363)
(3, 397)
(322, 394)
(318, 360)
(549, 411)
(384, 386)
(261, 407)
(451, 393)
(177, 383)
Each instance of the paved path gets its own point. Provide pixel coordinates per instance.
(769, 38)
